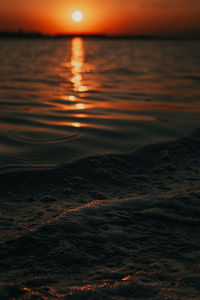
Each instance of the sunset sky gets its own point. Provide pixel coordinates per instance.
(114, 17)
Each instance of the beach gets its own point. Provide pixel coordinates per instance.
(100, 170)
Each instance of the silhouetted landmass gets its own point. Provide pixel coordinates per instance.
(32, 35)
(20, 34)
(38, 35)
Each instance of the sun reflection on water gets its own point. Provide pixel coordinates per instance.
(80, 106)
(77, 60)
(76, 124)
(71, 98)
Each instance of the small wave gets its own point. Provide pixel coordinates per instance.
(119, 71)
(30, 137)
(116, 218)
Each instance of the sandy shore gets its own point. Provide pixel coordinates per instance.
(113, 227)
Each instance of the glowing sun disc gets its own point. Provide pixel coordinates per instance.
(77, 16)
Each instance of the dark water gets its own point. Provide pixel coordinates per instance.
(100, 169)
(65, 99)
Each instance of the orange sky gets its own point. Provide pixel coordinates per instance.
(118, 17)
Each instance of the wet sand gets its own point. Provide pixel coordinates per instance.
(112, 226)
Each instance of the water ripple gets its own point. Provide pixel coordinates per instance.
(61, 100)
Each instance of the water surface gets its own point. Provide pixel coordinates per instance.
(64, 99)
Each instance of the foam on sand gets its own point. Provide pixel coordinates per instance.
(113, 226)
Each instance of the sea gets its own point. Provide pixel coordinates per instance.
(99, 168)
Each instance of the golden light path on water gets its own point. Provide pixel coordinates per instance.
(76, 63)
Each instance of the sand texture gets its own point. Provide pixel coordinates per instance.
(112, 226)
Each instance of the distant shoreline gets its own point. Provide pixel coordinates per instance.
(38, 35)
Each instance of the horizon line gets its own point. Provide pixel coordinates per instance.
(36, 34)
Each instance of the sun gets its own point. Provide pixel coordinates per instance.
(77, 16)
